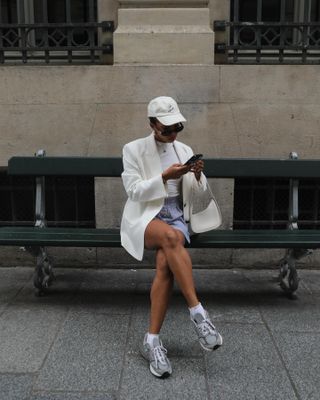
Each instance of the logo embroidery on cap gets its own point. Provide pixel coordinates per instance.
(171, 108)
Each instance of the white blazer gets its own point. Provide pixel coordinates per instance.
(142, 180)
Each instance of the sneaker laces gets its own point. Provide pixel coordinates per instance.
(159, 353)
(206, 327)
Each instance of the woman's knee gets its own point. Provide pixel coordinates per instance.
(171, 238)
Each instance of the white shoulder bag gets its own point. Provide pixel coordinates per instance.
(205, 214)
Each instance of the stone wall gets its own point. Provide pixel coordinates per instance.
(232, 111)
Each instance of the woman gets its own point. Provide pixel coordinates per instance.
(159, 184)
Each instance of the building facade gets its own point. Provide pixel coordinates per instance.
(76, 76)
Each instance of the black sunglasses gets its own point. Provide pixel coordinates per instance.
(169, 130)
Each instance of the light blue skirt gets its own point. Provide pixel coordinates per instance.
(172, 215)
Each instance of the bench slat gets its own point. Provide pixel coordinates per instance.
(257, 239)
(78, 237)
(64, 166)
(261, 168)
(112, 167)
(64, 237)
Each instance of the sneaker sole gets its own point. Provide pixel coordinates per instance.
(163, 376)
(219, 344)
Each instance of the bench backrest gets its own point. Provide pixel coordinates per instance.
(214, 167)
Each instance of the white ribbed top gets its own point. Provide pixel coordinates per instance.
(168, 156)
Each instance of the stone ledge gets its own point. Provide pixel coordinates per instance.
(179, 36)
(163, 3)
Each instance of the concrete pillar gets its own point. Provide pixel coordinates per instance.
(107, 11)
(163, 35)
(220, 10)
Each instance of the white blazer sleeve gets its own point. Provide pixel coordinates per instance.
(137, 188)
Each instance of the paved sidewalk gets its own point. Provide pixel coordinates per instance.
(80, 342)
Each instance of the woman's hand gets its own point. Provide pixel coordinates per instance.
(197, 168)
(175, 171)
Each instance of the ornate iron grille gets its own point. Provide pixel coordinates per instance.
(283, 36)
(17, 200)
(309, 205)
(71, 43)
(64, 31)
(263, 203)
(69, 201)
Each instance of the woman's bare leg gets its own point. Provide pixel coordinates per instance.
(160, 235)
(160, 292)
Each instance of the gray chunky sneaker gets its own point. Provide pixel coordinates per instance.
(157, 356)
(209, 338)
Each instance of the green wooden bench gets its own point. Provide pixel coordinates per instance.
(296, 242)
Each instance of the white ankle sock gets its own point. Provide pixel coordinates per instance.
(150, 337)
(198, 309)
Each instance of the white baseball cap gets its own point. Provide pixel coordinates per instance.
(166, 110)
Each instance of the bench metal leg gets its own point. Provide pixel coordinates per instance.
(43, 274)
(288, 277)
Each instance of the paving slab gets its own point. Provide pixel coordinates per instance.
(15, 387)
(188, 381)
(87, 354)
(26, 335)
(29, 324)
(267, 280)
(250, 383)
(311, 279)
(300, 315)
(11, 282)
(106, 291)
(80, 342)
(109, 279)
(61, 293)
(247, 366)
(227, 295)
(230, 281)
(72, 396)
(301, 354)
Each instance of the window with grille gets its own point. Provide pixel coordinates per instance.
(53, 31)
(272, 31)
(41, 11)
(69, 201)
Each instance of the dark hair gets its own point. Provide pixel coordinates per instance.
(153, 120)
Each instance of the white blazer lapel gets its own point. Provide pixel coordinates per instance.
(152, 158)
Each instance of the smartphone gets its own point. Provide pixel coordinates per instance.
(193, 159)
